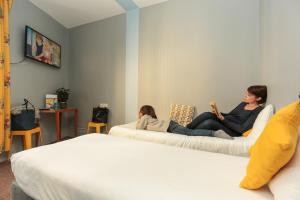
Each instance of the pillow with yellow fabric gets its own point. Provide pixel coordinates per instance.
(182, 114)
(274, 148)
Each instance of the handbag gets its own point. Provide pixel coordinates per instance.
(100, 115)
(23, 117)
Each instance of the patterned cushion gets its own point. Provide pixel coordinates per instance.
(182, 114)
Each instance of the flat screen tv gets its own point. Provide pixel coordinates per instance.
(40, 48)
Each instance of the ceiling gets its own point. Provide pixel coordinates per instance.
(71, 13)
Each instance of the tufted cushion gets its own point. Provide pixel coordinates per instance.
(182, 114)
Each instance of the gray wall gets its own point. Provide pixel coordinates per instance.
(195, 51)
(97, 68)
(31, 79)
(280, 49)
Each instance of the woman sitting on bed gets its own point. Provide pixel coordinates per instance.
(148, 121)
(240, 119)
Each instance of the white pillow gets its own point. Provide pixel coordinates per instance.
(260, 123)
(286, 184)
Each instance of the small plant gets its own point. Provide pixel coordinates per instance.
(62, 94)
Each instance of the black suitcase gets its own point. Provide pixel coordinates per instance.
(25, 120)
(100, 115)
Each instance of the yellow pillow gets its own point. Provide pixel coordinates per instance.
(247, 133)
(274, 148)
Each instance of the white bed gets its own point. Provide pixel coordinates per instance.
(239, 146)
(105, 167)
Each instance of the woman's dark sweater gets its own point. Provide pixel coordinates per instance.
(240, 120)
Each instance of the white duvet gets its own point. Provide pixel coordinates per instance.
(239, 146)
(105, 167)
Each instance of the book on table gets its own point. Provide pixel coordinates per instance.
(51, 100)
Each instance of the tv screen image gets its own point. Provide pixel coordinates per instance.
(41, 48)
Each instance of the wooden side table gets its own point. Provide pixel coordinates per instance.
(58, 114)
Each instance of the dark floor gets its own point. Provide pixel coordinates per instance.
(6, 178)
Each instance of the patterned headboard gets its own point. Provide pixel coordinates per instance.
(182, 114)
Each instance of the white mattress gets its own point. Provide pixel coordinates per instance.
(104, 167)
(239, 146)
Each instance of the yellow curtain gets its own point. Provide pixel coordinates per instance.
(5, 6)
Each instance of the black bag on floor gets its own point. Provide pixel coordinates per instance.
(24, 118)
(100, 115)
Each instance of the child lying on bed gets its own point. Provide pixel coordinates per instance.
(148, 121)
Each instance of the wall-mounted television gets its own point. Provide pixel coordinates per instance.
(40, 48)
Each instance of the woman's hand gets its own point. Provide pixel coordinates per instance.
(221, 117)
(214, 112)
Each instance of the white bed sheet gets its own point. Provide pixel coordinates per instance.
(105, 167)
(239, 146)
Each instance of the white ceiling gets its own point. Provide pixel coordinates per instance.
(146, 3)
(71, 13)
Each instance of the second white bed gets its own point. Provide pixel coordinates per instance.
(239, 146)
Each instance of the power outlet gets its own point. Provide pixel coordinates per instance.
(103, 105)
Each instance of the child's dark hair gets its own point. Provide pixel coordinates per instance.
(259, 91)
(148, 110)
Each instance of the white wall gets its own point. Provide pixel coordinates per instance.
(280, 30)
(195, 51)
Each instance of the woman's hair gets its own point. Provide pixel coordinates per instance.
(148, 110)
(259, 91)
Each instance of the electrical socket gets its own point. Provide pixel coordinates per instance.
(103, 105)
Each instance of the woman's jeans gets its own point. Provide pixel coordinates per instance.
(178, 129)
(210, 121)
